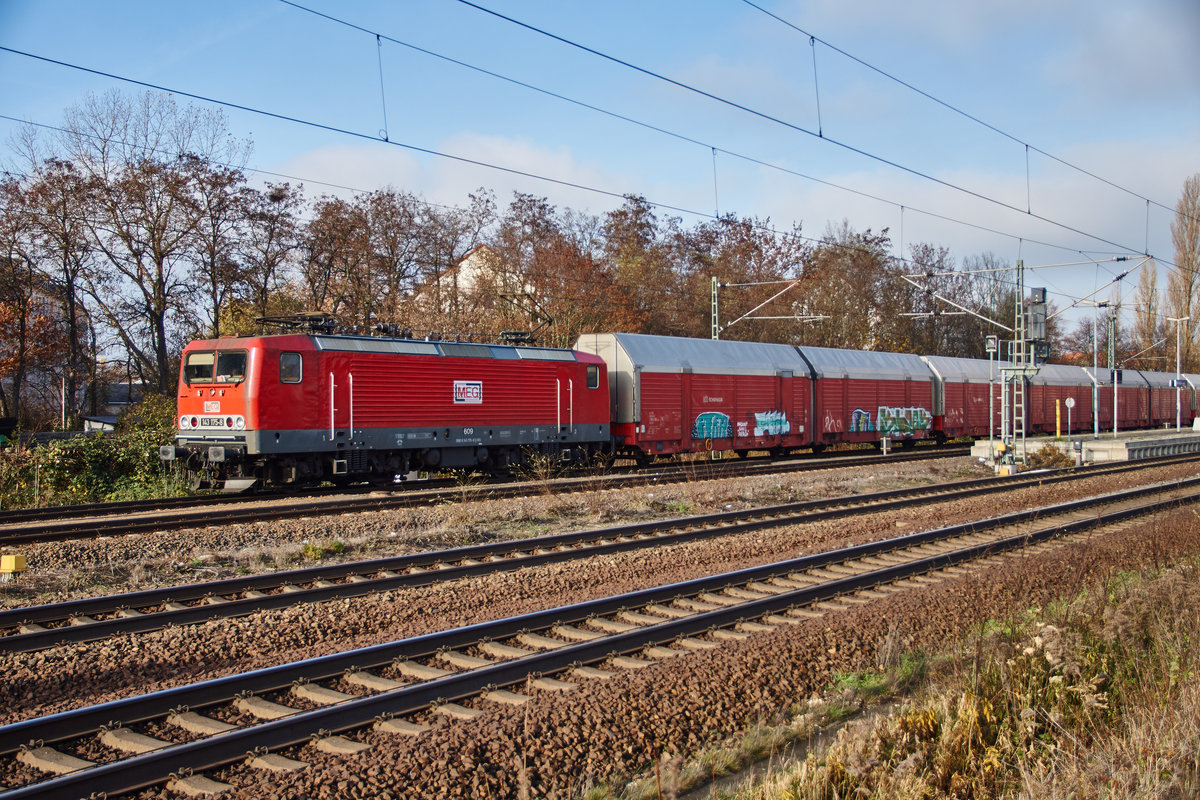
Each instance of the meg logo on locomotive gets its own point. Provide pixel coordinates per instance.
(468, 392)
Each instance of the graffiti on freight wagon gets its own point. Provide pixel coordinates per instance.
(771, 423)
(712, 425)
(892, 420)
(716, 425)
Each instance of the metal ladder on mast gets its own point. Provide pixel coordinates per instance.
(1018, 395)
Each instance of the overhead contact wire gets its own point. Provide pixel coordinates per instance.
(789, 125)
(670, 133)
(956, 109)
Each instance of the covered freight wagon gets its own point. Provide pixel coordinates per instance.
(961, 405)
(670, 394)
(1048, 393)
(864, 396)
(1160, 398)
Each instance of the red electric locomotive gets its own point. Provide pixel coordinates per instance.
(300, 408)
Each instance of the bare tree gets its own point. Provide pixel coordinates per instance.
(335, 259)
(1147, 329)
(267, 249)
(58, 197)
(395, 238)
(1183, 283)
(142, 156)
(222, 203)
(742, 251)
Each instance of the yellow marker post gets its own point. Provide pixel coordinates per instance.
(1057, 419)
(11, 565)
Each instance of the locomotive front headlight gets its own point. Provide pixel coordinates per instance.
(239, 423)
(183, 423)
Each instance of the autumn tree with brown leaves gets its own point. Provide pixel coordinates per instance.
(29, 335)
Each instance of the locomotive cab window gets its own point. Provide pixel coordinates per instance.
(593, 376)
(291, 367)
(231, 367)
(210, 367)
(198, 367)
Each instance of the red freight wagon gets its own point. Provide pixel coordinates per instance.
(1048, 392)
(1161, 399)
(299, 408)
(1187, 398)
(864, 396)
(670, 394)
(1132, 399)
(961, 406)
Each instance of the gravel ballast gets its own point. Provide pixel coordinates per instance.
(606, 730)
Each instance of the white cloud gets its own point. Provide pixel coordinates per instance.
(359, 167)
(1133, 54)
(442, 180)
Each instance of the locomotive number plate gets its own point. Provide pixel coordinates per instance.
(212, 422)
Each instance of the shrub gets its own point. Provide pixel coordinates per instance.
(1049, 457)
(94, 468)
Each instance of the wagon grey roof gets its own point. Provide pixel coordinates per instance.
(1158, 380)
(1062, 375)
(974, 370)
(674, 354)
(829, 362)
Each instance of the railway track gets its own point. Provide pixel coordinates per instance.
(175, 735)
(89, 619)
(35, 526)
(20, 515)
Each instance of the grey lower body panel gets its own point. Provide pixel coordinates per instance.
(379, 449)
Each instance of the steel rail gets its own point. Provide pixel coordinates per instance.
(121, 524)
(136, 709)
(217, 598)
(122, 507)
(154, 767)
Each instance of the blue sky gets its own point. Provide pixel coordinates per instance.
(1113, 87)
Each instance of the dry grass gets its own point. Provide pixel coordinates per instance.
(1098, 698)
